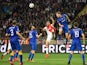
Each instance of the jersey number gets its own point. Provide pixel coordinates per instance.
(76, 33)
(12, 32)
(30, 35)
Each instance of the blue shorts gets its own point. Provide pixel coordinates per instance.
(15, 45)
(33, 46)
(65, 29)
(76, 45)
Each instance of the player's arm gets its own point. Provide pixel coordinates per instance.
(53, 21)
(83, 37)
(44, 29)
(19, 34)
(69, 37)
(38, 35)
(68, 18)
(60, 25)
(7, 33)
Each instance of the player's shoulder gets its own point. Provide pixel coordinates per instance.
(64, 14)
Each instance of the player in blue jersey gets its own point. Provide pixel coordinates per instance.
(75, 34)
(62, 20)
(13, 33)
(32, 42)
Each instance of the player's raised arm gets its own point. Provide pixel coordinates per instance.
(68, 18)
(19, 35)
(53, 21)
(39, 35)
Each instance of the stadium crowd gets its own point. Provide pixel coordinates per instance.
(19, 10)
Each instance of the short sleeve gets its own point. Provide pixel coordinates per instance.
(7, 31)
(81, 32)
(17, 29)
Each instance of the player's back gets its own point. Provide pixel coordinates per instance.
(12, 31)
(76, 33)
(32, 36)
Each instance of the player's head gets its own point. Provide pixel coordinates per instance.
(32, 27)
(58, 14)
(14, 22)
(47, 23)
(75, 25)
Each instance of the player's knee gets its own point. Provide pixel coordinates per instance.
(71, 52)
(81, 52)
(20, 52)
(33, 51)
(12, 53)
(66, 35)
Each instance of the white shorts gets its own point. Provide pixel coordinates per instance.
(49, 38)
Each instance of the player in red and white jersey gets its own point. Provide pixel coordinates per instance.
(49, 28)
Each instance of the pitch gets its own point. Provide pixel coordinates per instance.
(54, 59)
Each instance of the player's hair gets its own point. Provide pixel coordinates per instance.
(76, 24)
(14, 22)
(58, 12)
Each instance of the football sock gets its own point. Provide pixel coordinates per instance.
(83, 58)
(21, 58)
(70, 57)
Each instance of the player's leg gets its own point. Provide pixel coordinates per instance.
(81, 52)
(32, 52)
(70, 57)
(16, 56)
(7, 52)
(72, 48)
(13, 52)
(19, 49)
(66, 34)
(49, 38)
(60, 33)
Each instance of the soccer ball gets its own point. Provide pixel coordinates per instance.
(31, 5)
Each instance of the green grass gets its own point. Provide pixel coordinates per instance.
(54, 59)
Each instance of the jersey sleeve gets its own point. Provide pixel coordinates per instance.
(70, 33)
(58, 20)
(17, 29)
(81, 32)
(7, 31)
(35, 32)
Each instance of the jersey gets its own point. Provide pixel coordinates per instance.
(32, 36)
(12, 31)
(63, 20)
(76, 41)
(14, 39)
(76, 33)
(49, 29)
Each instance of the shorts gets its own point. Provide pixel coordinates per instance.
(49, 38)
(65, 29)
(33, 46)
(15, 45)
(76, 45)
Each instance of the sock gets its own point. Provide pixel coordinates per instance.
(47, 51)
(32, 56)
(59, 37)
(11, 58)
(20, 58)
(29, 55)
(16, 55)
(66, 40)
(70, 57)
(83, 58)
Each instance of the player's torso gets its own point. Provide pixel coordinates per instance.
(32, 36)
(76, 34)
(12, 32)
(63, 20)
(49, 29)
